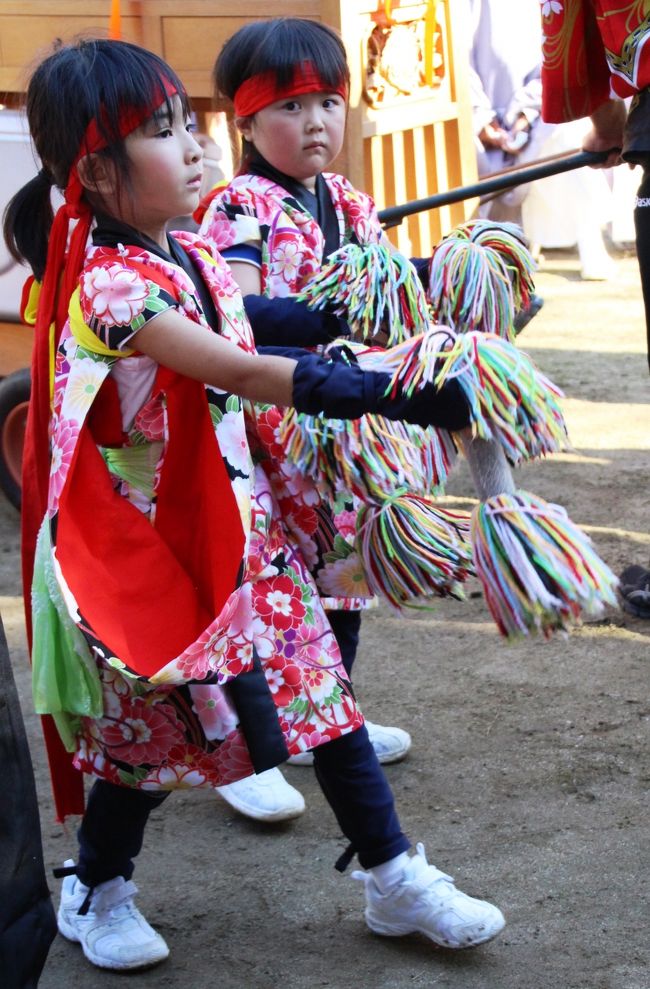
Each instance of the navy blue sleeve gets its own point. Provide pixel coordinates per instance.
(243, 252)
(288, 323)
(341, 390)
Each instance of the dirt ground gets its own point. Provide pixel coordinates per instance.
(528, 778)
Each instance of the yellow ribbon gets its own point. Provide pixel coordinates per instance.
(31, 307)
(29, 317)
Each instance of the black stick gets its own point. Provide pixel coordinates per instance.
(393, 215)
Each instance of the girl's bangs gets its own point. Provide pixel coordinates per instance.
(308, 44)
(147, 85)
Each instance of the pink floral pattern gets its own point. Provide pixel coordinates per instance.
(279, 603)
(292, 245)
(150, 420)
(290, 239)
(143, 732)
(64, 440)
(284, 679)
(177, 729)
(115, 294)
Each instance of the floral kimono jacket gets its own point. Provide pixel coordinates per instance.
(255, 210)
(178, 636)
(588, 46)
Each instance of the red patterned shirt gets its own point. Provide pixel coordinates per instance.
(592, 48)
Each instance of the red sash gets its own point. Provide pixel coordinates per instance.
(147, 591)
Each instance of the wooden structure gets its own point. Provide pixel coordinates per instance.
(409, 146)
(409, 130)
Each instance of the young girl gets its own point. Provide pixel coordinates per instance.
(178, 637)
(275, 224)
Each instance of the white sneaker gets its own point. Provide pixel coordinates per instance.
(265, 797)
(113, 933)
(390, 745)
(427, 902)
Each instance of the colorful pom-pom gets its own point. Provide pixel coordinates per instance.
(509, 397)
(413, 550)
(539, 572)
(369, 457)
(480, 276)
(376, 290)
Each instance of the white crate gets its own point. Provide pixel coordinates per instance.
(17, 166)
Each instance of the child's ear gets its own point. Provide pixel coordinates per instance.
(97, 174)
(245, 127)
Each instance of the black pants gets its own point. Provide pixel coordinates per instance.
(642, 226)
(347, 769)
(354, 784)
(346, 626)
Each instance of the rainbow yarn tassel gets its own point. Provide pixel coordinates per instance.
(413, 550)
(369, 457)
(376, 290)
(509, 397)
(480, 276)
(538, 570)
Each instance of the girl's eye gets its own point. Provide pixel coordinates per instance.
(331, 102)
(165, 132)
(292, 105)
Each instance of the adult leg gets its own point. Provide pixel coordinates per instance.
(634, 588)
(642, 227)
(27, 924)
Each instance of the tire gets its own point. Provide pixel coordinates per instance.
(15, 390)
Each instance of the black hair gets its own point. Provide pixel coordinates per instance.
(279, 45)
(90, 79)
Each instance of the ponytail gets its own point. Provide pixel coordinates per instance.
(27, 221)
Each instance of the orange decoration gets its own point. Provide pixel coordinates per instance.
(114, 26)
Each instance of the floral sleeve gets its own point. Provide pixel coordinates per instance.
(117, 301)
(232, 220)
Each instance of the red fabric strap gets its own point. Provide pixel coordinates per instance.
(262, 90)
(149, 590)
(59, 282)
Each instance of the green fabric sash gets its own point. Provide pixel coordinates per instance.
(65, 678)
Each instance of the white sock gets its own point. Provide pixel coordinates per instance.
(389, 874)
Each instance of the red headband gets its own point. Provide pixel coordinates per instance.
(59, 282)
(93, 141)
(261, 90)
